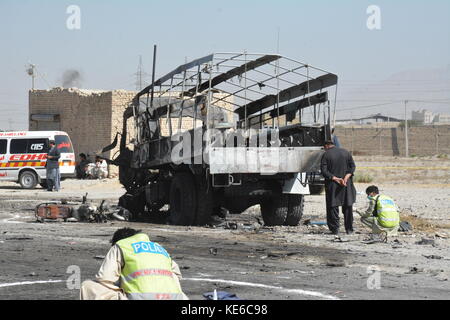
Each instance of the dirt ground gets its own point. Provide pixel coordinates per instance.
(241, 256)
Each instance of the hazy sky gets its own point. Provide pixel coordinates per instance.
(408, 58)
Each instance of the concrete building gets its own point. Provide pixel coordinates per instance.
(441, 119)
(424, 116)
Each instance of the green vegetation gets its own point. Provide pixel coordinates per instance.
(362, 178)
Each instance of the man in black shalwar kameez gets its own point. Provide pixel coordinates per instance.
(338, 167)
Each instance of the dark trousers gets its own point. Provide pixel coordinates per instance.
(333, 218)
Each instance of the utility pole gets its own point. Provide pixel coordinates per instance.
(31, 70)
(406, 133)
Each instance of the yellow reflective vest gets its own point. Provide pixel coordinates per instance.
(147, 273)
(386, 211)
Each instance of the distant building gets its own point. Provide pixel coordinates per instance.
(424, 116)
(373, 120)
(442, 119)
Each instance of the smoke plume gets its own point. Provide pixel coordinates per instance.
(71, 78)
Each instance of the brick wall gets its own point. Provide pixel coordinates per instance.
(423, 141)
(84, 115)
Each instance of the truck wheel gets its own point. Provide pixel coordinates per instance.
(295, 211)
(205, 201)
(316, 189)
(282, 210)
(183, 199)
(28, 180)
(274, 210)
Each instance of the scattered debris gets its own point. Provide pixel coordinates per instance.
(335, 263)
(80, 212)
(397, 244)
(340, 239)
(52, 211)
(441, 235)
(18, 239)
(213, 251)
(231, 225)
(275, 255)
(100, 257)
(425, 241)
(414, 270)
(376, 238)
(308, 222)
(433, 256)
(220, 295)
(405, 226)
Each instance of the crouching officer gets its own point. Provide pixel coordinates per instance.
(382, 214)
(136, 269)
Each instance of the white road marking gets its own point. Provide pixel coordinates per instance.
(258, 285)
(14, 284)
(238, 283)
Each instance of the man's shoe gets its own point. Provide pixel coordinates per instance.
(350, 232)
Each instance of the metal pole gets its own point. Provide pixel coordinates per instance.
(406, 133)
(381, 152)
(33, 76)
(153, 76)
(437, 141)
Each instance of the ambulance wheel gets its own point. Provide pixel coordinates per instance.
(183, 199)
(28, 180)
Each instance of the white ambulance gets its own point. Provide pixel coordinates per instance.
(23, 155)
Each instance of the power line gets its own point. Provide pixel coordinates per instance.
(370, 106)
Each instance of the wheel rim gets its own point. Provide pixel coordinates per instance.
(27, 180)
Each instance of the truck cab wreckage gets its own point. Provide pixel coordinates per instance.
(226, 131)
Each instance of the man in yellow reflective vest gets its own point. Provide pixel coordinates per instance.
(136, 269)
(382, 214)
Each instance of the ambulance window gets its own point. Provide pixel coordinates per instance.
(37, 146)
(63, 144)
(18, 146)
(3, 146)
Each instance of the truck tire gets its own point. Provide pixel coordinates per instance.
(316, 189)
(183, 199)
(205, 199)
(135, 204)
(295, 211)
(274, 210)
(282, 210)
(28, 180)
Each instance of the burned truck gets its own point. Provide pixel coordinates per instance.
(224, 133)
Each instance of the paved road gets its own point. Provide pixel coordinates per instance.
(261, 263)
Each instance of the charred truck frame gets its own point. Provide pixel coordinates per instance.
(226, 131)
